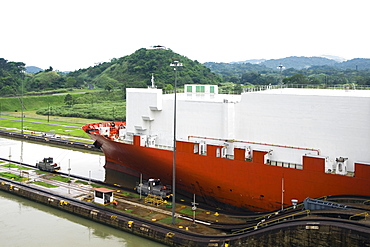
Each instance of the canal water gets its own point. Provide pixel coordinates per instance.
(27, 223)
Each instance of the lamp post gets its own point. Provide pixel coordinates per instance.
(22, 105)
(175, 64)
(281, 67)
(48, 112)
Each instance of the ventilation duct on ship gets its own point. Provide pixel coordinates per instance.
(328, 165)
(223, 152)
(203, 148)
(248, 153)
(341, 165)
(218, 152)
(152, 140)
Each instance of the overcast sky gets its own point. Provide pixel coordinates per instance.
(74, 34)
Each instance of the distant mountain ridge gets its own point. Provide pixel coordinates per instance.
(298, 62)
(33, 69)
(287, 62)
(307, 62)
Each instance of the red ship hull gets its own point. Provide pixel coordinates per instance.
(249, 185)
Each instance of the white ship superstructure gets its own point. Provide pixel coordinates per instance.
(330, 123)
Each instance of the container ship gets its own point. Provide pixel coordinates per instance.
(256, 151)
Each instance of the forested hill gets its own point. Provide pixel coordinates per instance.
(291, 62)
(299, 62)
(136, 70)
(11, 76)
(295, 70)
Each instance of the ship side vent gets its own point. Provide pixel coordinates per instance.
(142, 140)
(341, 165)
(122, 134)
(224, 152)
(329, 168)
(202, 147)
(151, 141)
(218, 152)
(248, 153)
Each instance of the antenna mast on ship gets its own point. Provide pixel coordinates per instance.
(152, 80)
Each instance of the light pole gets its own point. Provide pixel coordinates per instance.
(281, 67)
(48, 112)
(175, 64)
(22, 102)
(69, 176)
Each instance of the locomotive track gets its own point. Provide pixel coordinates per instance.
(50, 140)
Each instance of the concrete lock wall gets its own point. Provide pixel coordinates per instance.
(294, 233)
(91, 212)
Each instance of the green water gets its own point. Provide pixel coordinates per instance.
(27, 223)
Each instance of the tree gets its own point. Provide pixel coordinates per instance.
(252, 77)
(168, 88)
(108, 87)
(7, 90)
(68, 100)
(297, 79)
(49, 69)
(70, 82)
(238, 89)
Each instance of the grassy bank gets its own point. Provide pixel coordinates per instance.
(87, 107)
(107, 106)
(33, 116)
(15, 124)
(13, 104)
(36, 127)
(107, 111)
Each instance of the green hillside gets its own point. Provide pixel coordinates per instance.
(13, 104)
(136, 70)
